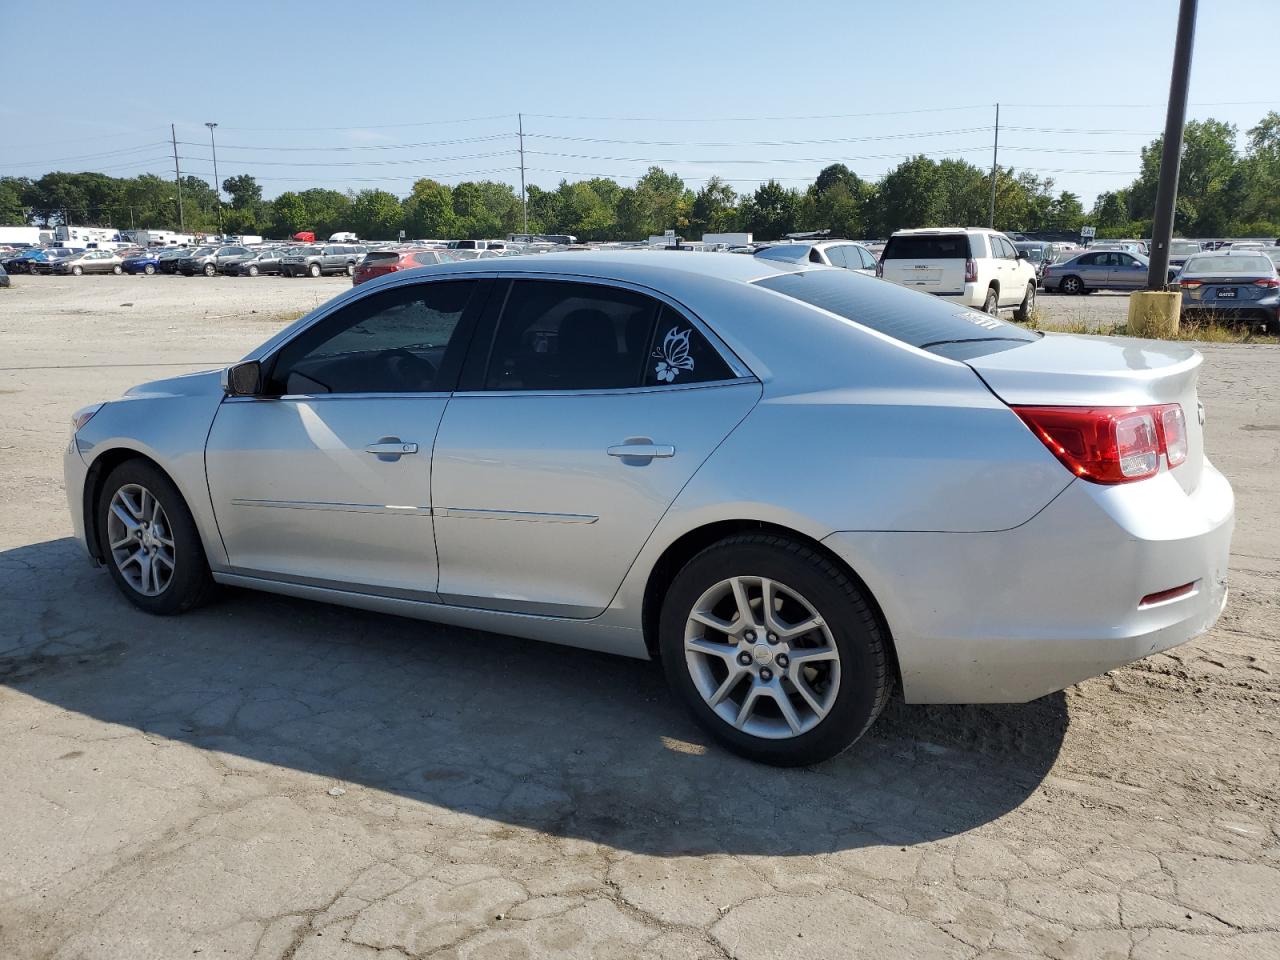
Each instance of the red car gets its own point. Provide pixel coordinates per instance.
(379, 263)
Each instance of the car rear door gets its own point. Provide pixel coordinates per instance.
(1125, 272)
(325, 479)
(933, 263)
(578, 421)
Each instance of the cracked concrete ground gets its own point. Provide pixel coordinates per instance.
(270, 778)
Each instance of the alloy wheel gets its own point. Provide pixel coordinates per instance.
(141, 540)
(762, 657)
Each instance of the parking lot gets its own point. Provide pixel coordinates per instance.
(274, 778)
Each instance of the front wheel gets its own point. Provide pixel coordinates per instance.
(774, 650)
(77, 271)
(314, 270)
(351, 269)
(252, 271)
(149, 270)
(1028, 305)
(210, 269)
(117, 270)
(150, 542)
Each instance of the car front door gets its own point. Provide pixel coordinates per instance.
(578, 421)
(326, 478)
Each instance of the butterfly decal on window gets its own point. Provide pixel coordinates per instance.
(674, 355)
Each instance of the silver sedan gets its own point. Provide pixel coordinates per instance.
(797, 486)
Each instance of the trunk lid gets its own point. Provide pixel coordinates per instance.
(1088, 371)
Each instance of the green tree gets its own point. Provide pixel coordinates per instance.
(657, 203)
(13, 207)
(909, 195)
(485, 209)
(244, 190)
(772, 211)
(376, 215)
(714, 209)
(428, 211)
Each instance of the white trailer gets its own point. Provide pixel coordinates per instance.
(728, 239)
(25, 235)
(83, 235)
(162, 238)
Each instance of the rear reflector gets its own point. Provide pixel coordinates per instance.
(1173, 593)
(1110, 444)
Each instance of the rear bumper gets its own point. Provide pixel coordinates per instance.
(1270, 306)
(1017, 614)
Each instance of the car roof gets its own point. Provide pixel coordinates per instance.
(944, 230)
(655, 268)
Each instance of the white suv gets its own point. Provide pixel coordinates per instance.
(970, 265)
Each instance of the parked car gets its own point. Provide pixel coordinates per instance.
(977, 267)
(45, 259)
(1098, 270)
(151, 261)
(1037, 252)
(380, 263)
(20, 262)
(1236, 285)
(4, 277)
(264, 261)
(833, 253)
(509, 445)
(1127, 246)
(329, 259)
(1179, 250)
(90, 261)
(208, 260)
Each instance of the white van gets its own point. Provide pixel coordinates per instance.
(970, 265)
(341, 238)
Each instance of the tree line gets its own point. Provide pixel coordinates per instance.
(1222, 192)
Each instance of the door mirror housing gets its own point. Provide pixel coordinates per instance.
(243, 379)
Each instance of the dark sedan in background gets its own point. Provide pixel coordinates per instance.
(255, 262)
(1241, 285)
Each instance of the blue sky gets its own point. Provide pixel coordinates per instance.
(346, 94)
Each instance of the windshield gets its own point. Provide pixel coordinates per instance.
(784, 251)
(203, 252)
(1183, 248)
(905, 315)
(1229, 264)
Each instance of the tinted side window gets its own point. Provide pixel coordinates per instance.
(555, 335)
(836, 256)
(1088, 260)
(868, 258)
(390, 342)
(681, 354)
(947, 246)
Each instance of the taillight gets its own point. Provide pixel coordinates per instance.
(1111, 444)
(971, 271)
(1267, 282)
(1190, 284)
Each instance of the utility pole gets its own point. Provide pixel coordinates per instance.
(995, 169)
(177, 177)
(1171, 157)
(217, 190)
(524, 203)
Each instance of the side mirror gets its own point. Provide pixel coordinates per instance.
(242, 379)
(1022, 254)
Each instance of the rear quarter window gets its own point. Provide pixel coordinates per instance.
(907, 316)
(950, 246)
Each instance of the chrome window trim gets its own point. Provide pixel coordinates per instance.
(610, 391)
(310, 397)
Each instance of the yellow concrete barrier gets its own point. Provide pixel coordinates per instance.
(1154, 313)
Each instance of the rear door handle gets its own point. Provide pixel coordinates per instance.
(641, 449)
(391, 448)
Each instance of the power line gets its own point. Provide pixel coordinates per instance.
(761, 143)
(819, 116)
(86, 156)
(377, 126)
(376, 146)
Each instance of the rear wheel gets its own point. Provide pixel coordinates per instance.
(774, 650)
(150, 541)
(1028, 305)
(1071, 286)
(314, 270)
(991, 305)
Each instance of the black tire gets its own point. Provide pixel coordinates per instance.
(191, 583)
(351, 269)
(1028, 305)
(210, 270)
(77, 271)
(991, 304)
(313, 270)
(117, 269)
(149, 269)
(865, 678)
(252, 271)
(1071, 286)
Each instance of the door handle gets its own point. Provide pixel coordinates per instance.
(391, 448)
(641, 449)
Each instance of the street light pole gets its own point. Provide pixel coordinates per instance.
(217, 189)
(1171, 157)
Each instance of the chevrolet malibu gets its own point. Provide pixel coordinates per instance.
(796, 486)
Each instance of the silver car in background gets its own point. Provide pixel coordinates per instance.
(832, 253)
(1097, 270)
(795, 485)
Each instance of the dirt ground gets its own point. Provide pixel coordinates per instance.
(272, 778)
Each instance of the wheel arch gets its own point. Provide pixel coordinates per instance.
(96, 477)
(689, 544)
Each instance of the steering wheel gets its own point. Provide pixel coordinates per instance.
(414, 372)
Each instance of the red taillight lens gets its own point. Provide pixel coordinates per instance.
(1190, 284)
(1110, 444)
(971, 271)
(1267, 282)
